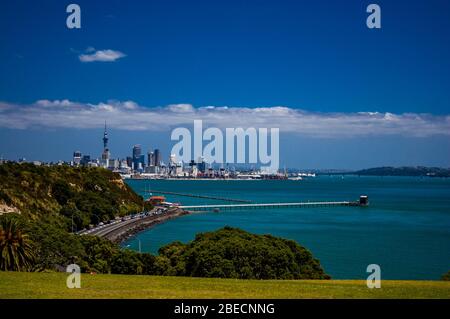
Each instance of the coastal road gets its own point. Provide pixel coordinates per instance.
(117, 231)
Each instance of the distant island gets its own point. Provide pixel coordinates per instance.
(404, 171)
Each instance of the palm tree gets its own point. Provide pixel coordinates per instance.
(16, 251)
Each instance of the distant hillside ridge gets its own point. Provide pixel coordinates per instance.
(405, 171)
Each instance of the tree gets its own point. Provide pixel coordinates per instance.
(126, 262)
(234, 253)
(16, 251)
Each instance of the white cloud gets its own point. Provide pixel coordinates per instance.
(128, 115)
(100, 55)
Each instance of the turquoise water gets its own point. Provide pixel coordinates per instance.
(406, 229)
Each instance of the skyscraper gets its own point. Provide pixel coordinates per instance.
(150, 159)
(129, 161)
(157, 156)
(138, 157)
(85, 160)
(76, 158)
(172, 160)
(137, 150)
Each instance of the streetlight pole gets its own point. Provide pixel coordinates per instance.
(72, 221)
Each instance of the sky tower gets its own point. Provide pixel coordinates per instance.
(105, 139)
(105, 155)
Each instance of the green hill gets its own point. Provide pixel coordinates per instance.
(49, 202)
(89, 195)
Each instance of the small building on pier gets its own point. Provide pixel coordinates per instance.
(156, 200)
(363, 200)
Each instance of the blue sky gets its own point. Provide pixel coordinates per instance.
(314, 56)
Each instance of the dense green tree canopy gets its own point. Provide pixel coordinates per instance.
(234, 253)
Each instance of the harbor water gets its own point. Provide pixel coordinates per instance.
(405, 230)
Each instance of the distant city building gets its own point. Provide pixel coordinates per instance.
(157, 155)
(129, 161)
(124, 168)
(142, 160)
(85, 160)
(201, 165)
(150, 158)
(138, 158)
(93, 164)
(172, 160)
(137, 150)
(114, 164)
(152, 169)
(76, 158)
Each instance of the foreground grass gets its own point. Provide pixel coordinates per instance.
(53, 285)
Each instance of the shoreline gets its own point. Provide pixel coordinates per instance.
(123, 232)
(280, 179)
(200, 179)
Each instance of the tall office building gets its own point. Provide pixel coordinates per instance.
(172, 160)
(201, 164)
(76, 158)
(85, 160)
(157, 155)
(137, 150)
(138, 158)
(129, 161)
(150, 158)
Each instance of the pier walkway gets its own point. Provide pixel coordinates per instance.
(268, 205)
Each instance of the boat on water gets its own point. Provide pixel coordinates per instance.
(301, 176)
(307, 174)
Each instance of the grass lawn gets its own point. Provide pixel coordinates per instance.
(53, 285)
